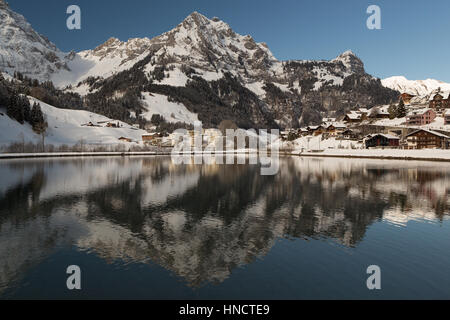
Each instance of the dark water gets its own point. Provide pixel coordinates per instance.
(146, 228)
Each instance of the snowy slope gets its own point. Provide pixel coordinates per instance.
(65, 127)
(104, 61)
(171, 111)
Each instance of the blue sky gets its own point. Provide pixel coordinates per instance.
(413, 41)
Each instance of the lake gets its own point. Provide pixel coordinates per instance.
(147, 228)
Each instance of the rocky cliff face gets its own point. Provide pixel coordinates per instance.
(24, 50)
(203, 64)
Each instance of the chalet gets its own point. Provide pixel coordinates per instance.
(364, 112)
(112, 125)
(151, 137)
(447, 117)
(340, 125)
(438, 101)
(382, 140)
(123, 139)
(316, 130)
(347, 134)
(420, 117)
(427, 139)
(331, 130)
(379, 113)
(406, 98)
(353, 117)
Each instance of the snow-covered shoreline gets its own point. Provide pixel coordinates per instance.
(387, 154)
(76, 154)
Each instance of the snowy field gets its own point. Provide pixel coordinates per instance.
(171, 111)
(67, 127)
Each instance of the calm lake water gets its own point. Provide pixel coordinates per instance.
(145, 228)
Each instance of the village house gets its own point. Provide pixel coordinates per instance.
(149, 138)
(112, 125)
(406, 98)
(447, 117)
(438, 101)
(427, 139)
(316, 130)
(353, 117)
(379, 113)
(420, 117)
(123, 139)
(330, 130)
(347, 134)
(382, 140)
(340, 127)
(364, 112)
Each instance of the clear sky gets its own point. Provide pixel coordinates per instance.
(413, 41)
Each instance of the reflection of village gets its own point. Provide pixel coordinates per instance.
(202, 222)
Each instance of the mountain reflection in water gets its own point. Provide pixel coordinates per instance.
(202, 222)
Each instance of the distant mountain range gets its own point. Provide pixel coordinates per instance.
(423, 90)
(201, 70)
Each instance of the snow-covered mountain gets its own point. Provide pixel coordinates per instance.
(24, 50)
(207, 45)
(284, 93)
(415, 87)
(203, 66)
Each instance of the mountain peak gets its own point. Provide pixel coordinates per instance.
(348, 53)
(351, 60)
(24, 50)
(197, 19)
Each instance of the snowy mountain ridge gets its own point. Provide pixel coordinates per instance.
(24, 50)
(421, 88)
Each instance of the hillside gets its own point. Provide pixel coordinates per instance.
(66, 127)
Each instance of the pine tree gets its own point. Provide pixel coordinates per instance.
(401, 110)
(392, 111)
(37, 119)
(14, 109)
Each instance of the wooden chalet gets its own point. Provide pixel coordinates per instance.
(427, 139)
(382, 140)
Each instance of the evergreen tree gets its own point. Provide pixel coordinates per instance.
(14, 108)
(401, 110)
(392, 111)
(37, 119)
